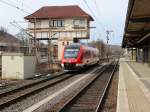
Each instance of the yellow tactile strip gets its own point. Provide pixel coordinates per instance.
(137, 101)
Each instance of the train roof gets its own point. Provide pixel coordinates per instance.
(78, 45)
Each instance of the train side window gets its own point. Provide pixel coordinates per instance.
(85, 54)
(82, 55)
(88, 54)
(91, 54)
(63, 43)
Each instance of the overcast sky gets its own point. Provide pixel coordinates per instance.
(108, 15)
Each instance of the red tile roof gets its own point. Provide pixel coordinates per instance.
(48, 12)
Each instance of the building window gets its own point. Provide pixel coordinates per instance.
(54, 23)
(57, 23)
(60, 23)
(38, 25)
(79, 23)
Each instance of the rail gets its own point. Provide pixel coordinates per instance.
(77, 97)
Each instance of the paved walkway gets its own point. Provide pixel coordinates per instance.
(133, 89)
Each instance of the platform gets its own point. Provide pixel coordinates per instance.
(133, 87)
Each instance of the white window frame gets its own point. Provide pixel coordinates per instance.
(79, 23)
(57, 23)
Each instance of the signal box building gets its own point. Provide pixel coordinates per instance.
(61, 24)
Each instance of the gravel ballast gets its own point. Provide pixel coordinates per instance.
(25, 103)
(110, 103)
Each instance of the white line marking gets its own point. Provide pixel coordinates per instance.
(122, 100)
(37, 105)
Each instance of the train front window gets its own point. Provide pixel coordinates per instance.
(71, 53)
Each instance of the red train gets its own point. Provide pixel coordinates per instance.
(77, 56)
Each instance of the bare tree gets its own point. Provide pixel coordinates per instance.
(3, 30)
(23, 37)
(100, 45)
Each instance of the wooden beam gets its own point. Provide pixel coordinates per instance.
(132, 35)
(92, 27)
(140, 20)
(146, 36)
(138, 31)
(45, 39)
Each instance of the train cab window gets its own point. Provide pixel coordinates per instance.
(71, 53)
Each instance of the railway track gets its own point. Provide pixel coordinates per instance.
(11, 97)
(19, 87)
(15, 95)
(91, 96)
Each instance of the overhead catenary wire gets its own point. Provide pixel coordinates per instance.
(99, 13)
(97, 8)
(30, 35)
(19, 27)
(22, 4)
(102, 26)
(20, 22)
(14, 6)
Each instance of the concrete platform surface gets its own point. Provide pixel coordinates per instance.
(133, 91)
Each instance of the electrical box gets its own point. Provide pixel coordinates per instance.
(18, 66)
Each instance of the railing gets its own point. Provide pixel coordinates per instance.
(61, 33)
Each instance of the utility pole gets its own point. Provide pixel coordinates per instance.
(34, 48)
(107, 38)
(49, 46)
